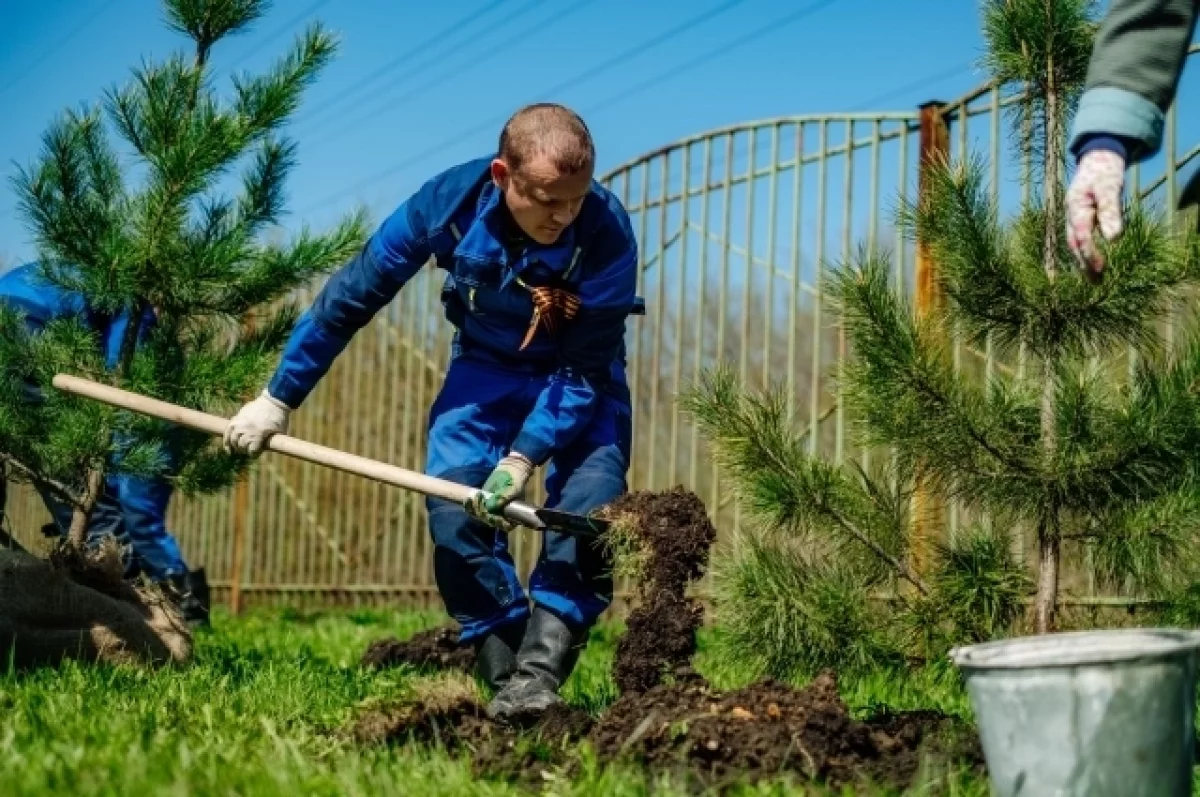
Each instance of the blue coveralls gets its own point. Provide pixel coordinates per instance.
(132, 509)
(562, 397)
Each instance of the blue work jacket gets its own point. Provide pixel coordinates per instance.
(40, 302)
(459, 218)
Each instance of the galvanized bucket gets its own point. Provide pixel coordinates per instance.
(1086, 714)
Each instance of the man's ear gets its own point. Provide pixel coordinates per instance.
(500, 173)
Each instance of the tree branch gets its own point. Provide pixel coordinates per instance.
(63, 491)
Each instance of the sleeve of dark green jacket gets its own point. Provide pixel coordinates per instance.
(1134, 72)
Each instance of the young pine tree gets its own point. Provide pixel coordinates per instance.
(1102, 468)
(147, 228)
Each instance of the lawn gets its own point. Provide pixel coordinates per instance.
(252, 716)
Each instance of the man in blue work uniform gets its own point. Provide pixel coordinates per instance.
(542, 272)
(131, 509)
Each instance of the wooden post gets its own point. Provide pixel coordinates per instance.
(240, 511)
(926, 514)
(241, 496)
(934, 147)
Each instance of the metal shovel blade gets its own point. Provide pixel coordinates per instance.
(536, 517)
(575, 525)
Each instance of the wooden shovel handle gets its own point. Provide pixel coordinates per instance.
(280, 443)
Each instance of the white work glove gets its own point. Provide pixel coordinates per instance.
(248, 431)
(1094, 198)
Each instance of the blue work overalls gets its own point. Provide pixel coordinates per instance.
(556, 396)
(132, 509)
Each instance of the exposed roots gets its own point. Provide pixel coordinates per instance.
(76, 606)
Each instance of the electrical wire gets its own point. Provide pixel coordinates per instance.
(491, 122)
(58, 46)
(752, 36)
(919, 83)
(461, 24)
(275, 34)
(475, 60)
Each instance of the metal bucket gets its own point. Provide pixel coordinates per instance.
(1086, 714)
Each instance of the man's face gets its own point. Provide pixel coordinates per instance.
(542, 200)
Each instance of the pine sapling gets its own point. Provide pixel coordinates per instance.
(199, 274)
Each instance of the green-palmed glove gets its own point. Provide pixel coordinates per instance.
(505, 485)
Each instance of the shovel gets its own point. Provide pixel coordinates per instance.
(524, 514)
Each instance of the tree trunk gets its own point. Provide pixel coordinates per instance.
(1048, 558)
(77, 536)
(94, 487)
(1048, 527)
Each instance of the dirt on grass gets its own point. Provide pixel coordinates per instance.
(668, 718)
(435, 649)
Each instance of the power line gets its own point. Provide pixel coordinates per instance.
(919, 83)
(459, 25)
(582, 77)
(473, 61)
(752, 36)
(49, 52)
(282, 29)
(437, 58)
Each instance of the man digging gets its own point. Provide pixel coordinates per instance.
(542, 273)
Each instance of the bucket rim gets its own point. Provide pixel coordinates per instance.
(1045, 651)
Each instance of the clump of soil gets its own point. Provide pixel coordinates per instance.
(436, 649)
(671, 534)
(76, 605)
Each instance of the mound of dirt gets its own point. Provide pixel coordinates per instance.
(674, 532)
(668, 719)
(767, 729)
(75, 605)
(436, 649)
(704, 738)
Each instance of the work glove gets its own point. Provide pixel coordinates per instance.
(505, 485)
(1094, 198)
(248, 431)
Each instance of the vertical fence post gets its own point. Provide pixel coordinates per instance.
(240, 507)
(934, 147)
(240, 501)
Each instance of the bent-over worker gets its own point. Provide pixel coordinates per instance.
(542, 271)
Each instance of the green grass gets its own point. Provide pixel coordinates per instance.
(251, 717)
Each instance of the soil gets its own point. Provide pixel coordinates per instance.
(75, 605)
(435, 649)
(667, 718)
(767, 729)
(660, 637)
(704, 738)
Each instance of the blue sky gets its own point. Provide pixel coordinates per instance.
(642, 73)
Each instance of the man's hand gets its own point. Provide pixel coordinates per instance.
(1094, 198)
(254, 423)
(505, 485)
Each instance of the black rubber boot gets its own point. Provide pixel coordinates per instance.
(545, 660)
(496, 654)
(190, 593)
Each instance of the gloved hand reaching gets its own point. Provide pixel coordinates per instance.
(1094, 198)
(248, 431)
(505, 485)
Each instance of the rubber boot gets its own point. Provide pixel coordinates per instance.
(545, 660)
(186, 589)
(198, 586)
(496, 654)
